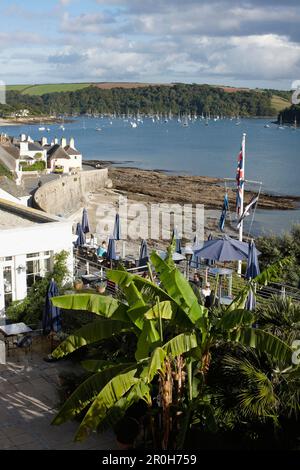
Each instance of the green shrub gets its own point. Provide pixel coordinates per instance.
(37, 166)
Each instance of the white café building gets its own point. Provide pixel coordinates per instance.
(28, 240)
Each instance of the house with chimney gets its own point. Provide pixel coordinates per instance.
(59, 157)
(63, 157)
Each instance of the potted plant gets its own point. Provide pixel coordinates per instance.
(100, 287)
(78, 284)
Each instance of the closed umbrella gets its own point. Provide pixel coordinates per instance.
(80, 236)
(223, 249)
(178, 240)
(144, 256)
(253, 264)
(111, 250)
(251, 272)
(196, 259)
(85, 222)
(209, 262)
(51, 317)
(117, 228)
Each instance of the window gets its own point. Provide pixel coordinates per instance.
(37, 265)
(7, 278)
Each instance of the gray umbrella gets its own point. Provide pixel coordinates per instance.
(223, 249)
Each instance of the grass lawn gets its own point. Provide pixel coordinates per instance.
(279, 103)
(54, 87)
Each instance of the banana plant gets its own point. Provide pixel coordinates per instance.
(174, 335)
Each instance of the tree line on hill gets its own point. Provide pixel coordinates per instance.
(178, 98)
(290, 115)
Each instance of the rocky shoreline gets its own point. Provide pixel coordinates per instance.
(163, 186)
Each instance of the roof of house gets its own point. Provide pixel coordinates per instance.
(71, 151)
(56, 151)
(12, 150)
(10, 187)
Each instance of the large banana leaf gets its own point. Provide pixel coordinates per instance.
(148, 288)
(110, 394)
(178, 288)
(181, 344)
(125, 282)
(160, 310)
(234, 319)
(264, 342)
(89, 334)
(100, 304)
(149, 338)
(87, 392)
(240, 300)
(156, 364)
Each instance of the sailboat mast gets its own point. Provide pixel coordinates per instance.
(242, 196)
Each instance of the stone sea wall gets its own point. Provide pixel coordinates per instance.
(65, 195)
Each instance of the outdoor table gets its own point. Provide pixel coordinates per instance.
(223, 299)
(226, 300)
(15, 329)
(87, 278)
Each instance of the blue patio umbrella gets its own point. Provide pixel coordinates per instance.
(117, 228)
(85, 222)
(111, 250)
(80, 236)
(251, 272)
(178, 240)
(51, 317)
(223, 249)
(144, 256)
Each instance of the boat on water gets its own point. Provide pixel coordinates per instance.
(238, 123)
(98, 129)
(266, 125)
(133, 124)
(42, 128)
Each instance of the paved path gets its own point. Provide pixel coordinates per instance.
(28, 401)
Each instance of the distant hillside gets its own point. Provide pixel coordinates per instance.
(134, 97)
(279, 103)
(40, 90)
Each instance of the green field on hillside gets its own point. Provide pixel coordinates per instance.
(47, 88)
(279, 103)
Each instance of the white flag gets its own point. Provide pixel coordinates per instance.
(247, 210)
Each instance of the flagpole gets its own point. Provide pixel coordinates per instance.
(242, 198)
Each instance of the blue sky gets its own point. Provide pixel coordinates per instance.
(241, 43)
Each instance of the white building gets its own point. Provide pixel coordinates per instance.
(64, 157)
(28, 240)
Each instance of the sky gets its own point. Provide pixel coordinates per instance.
(252, 43)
